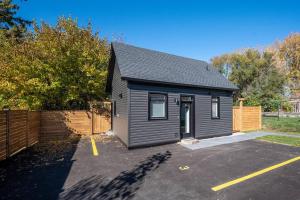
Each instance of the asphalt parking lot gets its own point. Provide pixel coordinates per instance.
(153, 173)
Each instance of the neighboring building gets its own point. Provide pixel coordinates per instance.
(295, 101)
(161, 98)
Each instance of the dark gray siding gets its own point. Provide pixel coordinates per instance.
(145, 132)
(142, 131)
(120, 121)
(205, 126)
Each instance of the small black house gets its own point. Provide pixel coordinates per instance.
(160, 98)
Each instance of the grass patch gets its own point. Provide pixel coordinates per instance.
(287, 125)
(291, 141)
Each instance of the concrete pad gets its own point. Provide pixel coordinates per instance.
(277, 133)
(236, 137)
(210, 142)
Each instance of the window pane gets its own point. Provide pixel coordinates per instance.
(157, 106)
(157, 109)
(215, 110)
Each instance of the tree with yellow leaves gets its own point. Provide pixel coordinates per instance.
(54, 67)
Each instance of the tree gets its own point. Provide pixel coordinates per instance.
(289, 52)
(59, 67)
(12, 25)
(255, 74)
(221, 63)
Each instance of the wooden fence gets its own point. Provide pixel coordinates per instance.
(57, 125)
(246, 118)
(19, 129)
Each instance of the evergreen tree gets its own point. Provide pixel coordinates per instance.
(12, 25)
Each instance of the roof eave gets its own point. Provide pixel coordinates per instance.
(177, 84)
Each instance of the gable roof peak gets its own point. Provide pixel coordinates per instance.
(140, 64)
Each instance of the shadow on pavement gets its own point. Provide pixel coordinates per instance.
(38, 172)
(124, 186)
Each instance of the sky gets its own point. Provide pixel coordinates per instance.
(195, 29)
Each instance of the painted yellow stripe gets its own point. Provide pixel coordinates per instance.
(260, 172)
(94, 147)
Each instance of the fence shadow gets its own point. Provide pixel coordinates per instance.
(33, 175)
(124, 186)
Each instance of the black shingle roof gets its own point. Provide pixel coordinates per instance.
(152, 66)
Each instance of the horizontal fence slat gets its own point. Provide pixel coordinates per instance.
(22, 128)
(246, 118)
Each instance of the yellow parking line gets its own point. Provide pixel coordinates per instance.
(252, 175)
(94, 147)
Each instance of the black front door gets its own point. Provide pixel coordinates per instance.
(186, 118)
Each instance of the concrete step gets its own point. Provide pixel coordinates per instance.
(187, 141)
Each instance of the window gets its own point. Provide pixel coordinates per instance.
(158, 104)
(215, 107)
(115, 108)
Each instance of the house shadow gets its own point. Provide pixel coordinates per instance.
(124, 186)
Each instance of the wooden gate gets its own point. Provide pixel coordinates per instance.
(246, 118)
(101, 119)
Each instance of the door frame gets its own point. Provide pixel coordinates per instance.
(192, 114)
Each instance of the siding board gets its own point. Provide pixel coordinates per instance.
(143, 131)
(120, 121)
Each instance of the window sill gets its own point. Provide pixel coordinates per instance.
(153, 119)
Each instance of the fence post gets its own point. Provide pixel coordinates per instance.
(92, 118)
(40, 126)
(27, 127)
(260, 118)
(241, 113)
(7, 133)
